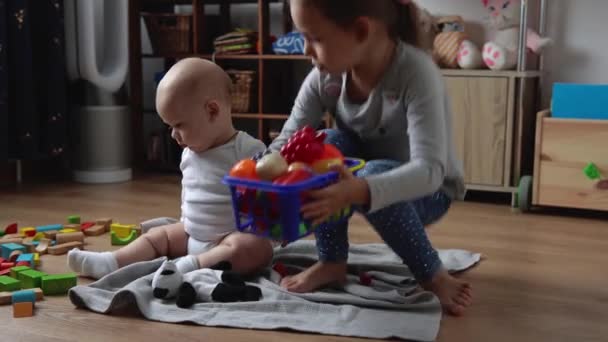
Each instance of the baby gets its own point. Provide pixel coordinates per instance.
(194, 100)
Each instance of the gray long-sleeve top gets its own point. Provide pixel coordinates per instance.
(407, 117)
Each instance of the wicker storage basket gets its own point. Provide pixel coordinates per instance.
(169, 33)
(242, 89)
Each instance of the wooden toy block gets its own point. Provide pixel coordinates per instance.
(51, 234)
(24, 296)
(74, 219)
(9, 284)
(64, 248)
(39, 236)
(117, 241)
(7, 297)
(43, 246)
(75, 226)
(51, 227)
(29, 257)
(96, 230)
(9, 248)
(6, 240)
(7, 265)
(86, 225)
(23, 310)
(36, 259)
(15, 254)
(137, 229)
(11, 228)
(13, 236)
(106, 222)
(69, 237)
(30, 246)
(18, 269)
(58, 284)
(23, 263)
(28, 231)
(31, 279)
(122, 230)
(5, 272)
(2, 260)
(2, 233)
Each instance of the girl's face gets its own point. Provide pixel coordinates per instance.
(332, 48)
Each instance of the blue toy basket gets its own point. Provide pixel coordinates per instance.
(273, 211)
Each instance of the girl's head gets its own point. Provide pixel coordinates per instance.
(340, 33)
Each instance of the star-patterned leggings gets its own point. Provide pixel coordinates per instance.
(401, 225)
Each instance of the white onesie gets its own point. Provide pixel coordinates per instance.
(206, 202)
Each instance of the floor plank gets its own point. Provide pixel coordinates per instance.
(542, 278)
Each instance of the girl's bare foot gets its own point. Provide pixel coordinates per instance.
(316, 276)
(454, 294)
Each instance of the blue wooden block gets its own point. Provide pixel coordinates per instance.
(580, 101)
(8, 248)
(51, 227)
(26, 257)
(24, 296)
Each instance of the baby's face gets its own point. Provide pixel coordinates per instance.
(190, 126)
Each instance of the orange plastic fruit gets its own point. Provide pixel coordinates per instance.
(244, 169)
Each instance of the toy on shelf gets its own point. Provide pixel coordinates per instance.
(267, 201)
(502, 51)
(452, 49)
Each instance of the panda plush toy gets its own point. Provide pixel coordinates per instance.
(215, 284)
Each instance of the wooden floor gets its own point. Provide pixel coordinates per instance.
(542, 278)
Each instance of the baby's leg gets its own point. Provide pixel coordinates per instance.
(402, 227)
(246, 253)
(168, 241)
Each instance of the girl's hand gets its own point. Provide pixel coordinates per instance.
(347, 191)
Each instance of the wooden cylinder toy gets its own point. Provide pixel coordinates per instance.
(69, 237)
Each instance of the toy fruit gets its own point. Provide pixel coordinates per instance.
(271, 166)
(330, 158)
(304, 146)
(245, 169)
(298, 166)
(293, 177)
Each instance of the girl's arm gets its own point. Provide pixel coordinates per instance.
(307, 110)
(428, 124)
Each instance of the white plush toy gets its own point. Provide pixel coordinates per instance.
(501, 52)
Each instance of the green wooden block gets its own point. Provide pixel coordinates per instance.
(9, 284)
(31, 279)
(592, 172)
(18, 269)
(117, 241)
(74, 219)
(58, 284)
(2, 233)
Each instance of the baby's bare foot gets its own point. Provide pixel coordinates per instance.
(454, 294)
(316, 276)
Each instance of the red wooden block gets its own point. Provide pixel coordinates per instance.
(365, 279)
(11, 228)
(23, 263)
(30, 233)
(5, 272)
(6, 265)
(2, 260)
(86, 225)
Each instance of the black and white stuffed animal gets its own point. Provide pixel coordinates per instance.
(215, 284)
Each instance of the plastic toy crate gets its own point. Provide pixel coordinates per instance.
(273, 211)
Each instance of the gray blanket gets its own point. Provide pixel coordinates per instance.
(391, 307)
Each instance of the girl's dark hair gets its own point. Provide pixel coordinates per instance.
(400, 18)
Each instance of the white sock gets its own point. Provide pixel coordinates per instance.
(92, 264)
(187, 264)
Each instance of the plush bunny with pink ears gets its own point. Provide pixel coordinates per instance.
(501, 52)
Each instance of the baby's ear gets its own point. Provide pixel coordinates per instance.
(213, 109)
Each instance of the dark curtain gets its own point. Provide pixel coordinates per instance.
(33, 85)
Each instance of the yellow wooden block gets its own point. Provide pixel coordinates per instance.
(23, 230)
(37, 259)
(69, 230)
(39, 236)
(122, 230)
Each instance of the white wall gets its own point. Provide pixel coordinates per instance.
(579, 30)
